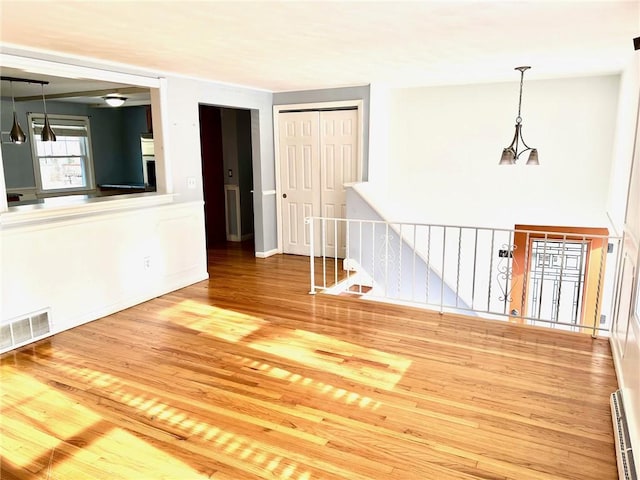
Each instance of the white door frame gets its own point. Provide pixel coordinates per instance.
(358, 104)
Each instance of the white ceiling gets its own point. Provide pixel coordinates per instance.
(297, 45)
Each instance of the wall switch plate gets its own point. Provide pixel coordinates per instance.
(505, 254)
(230, 173)
(191, 182)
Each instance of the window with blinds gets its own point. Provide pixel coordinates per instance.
(65, 165)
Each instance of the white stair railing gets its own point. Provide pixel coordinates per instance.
(554, 278)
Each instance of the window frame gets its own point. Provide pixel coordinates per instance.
(89, 170)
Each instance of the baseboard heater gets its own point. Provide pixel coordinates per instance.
(624, 453)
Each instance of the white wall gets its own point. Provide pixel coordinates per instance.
(625, 337)
(183, 97)
(628, 100)
(445, 145)
(379, 122)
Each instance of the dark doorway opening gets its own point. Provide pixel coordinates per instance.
(227, 171)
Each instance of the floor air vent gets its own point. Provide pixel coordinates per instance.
(24, 330)
(626, 465)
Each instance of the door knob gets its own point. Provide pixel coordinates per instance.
(284, 195)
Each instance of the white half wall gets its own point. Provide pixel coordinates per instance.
(445, 144)
(84, 266)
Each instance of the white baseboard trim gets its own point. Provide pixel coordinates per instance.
(176, 283)
(268, 253)
(171, 284)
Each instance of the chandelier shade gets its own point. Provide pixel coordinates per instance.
(47, 134)
(16, 135)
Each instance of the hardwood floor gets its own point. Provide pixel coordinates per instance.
(247, 376)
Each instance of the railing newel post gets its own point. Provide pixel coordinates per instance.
(335, 251)
(312, 253)
(603, 242)
(323, 245)
(444, 254)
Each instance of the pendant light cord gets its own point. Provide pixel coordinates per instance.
(44, 102)
(13, 100)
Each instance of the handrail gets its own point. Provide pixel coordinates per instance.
(497, 229)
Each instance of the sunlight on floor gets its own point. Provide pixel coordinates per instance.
(365, 365)
(350, 398)
(140, 455)
(59, 438)
(47, 414)
(219, 322)
(131, 454)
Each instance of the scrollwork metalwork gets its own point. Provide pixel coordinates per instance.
(505, 272)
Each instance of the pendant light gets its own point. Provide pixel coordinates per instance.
(510, 154)
(47, 134)
(17, 135)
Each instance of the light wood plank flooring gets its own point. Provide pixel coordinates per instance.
(247, 376)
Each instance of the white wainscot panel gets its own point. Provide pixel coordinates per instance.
(90, 266)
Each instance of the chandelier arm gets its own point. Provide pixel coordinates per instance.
(522, 140)
(525, 150)
(515, 138)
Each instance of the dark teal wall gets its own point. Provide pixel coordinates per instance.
(106, 143)
(134, 123)
(115, 138)
(16, 159)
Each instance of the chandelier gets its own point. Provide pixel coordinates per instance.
(511, 154)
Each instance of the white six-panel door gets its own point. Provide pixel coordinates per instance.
(318, 153)
(299, 177)
(338, 166)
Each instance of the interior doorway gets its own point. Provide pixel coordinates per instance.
(227, 171)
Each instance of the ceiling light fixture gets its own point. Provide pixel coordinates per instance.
(114, 100)
(17, 135)
(47, 134)
(510, 154)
